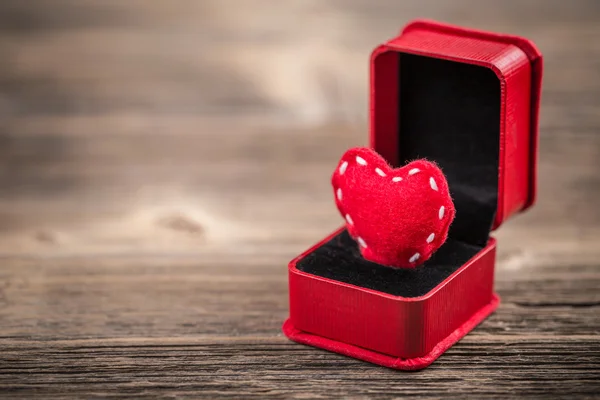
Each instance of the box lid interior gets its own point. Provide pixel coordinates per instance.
(448, 111)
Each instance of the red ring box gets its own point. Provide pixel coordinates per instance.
(469, 101)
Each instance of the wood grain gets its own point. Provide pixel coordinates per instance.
(162, 161)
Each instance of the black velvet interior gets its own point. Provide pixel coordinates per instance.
(449, 113)
(340, 259)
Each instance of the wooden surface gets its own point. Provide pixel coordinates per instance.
(161, 162)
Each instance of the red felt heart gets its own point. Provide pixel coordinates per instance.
(399, 217)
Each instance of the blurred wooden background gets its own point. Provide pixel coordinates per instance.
(161, 162)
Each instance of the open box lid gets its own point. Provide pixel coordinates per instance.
(468, 100)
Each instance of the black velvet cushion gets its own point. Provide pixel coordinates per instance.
(340, 259)
(450, 114)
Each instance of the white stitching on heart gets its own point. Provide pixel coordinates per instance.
(343, 167)
(433, 184)
(361, 242)
(379, 172)
(349, 219)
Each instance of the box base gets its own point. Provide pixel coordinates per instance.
(408, 364)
